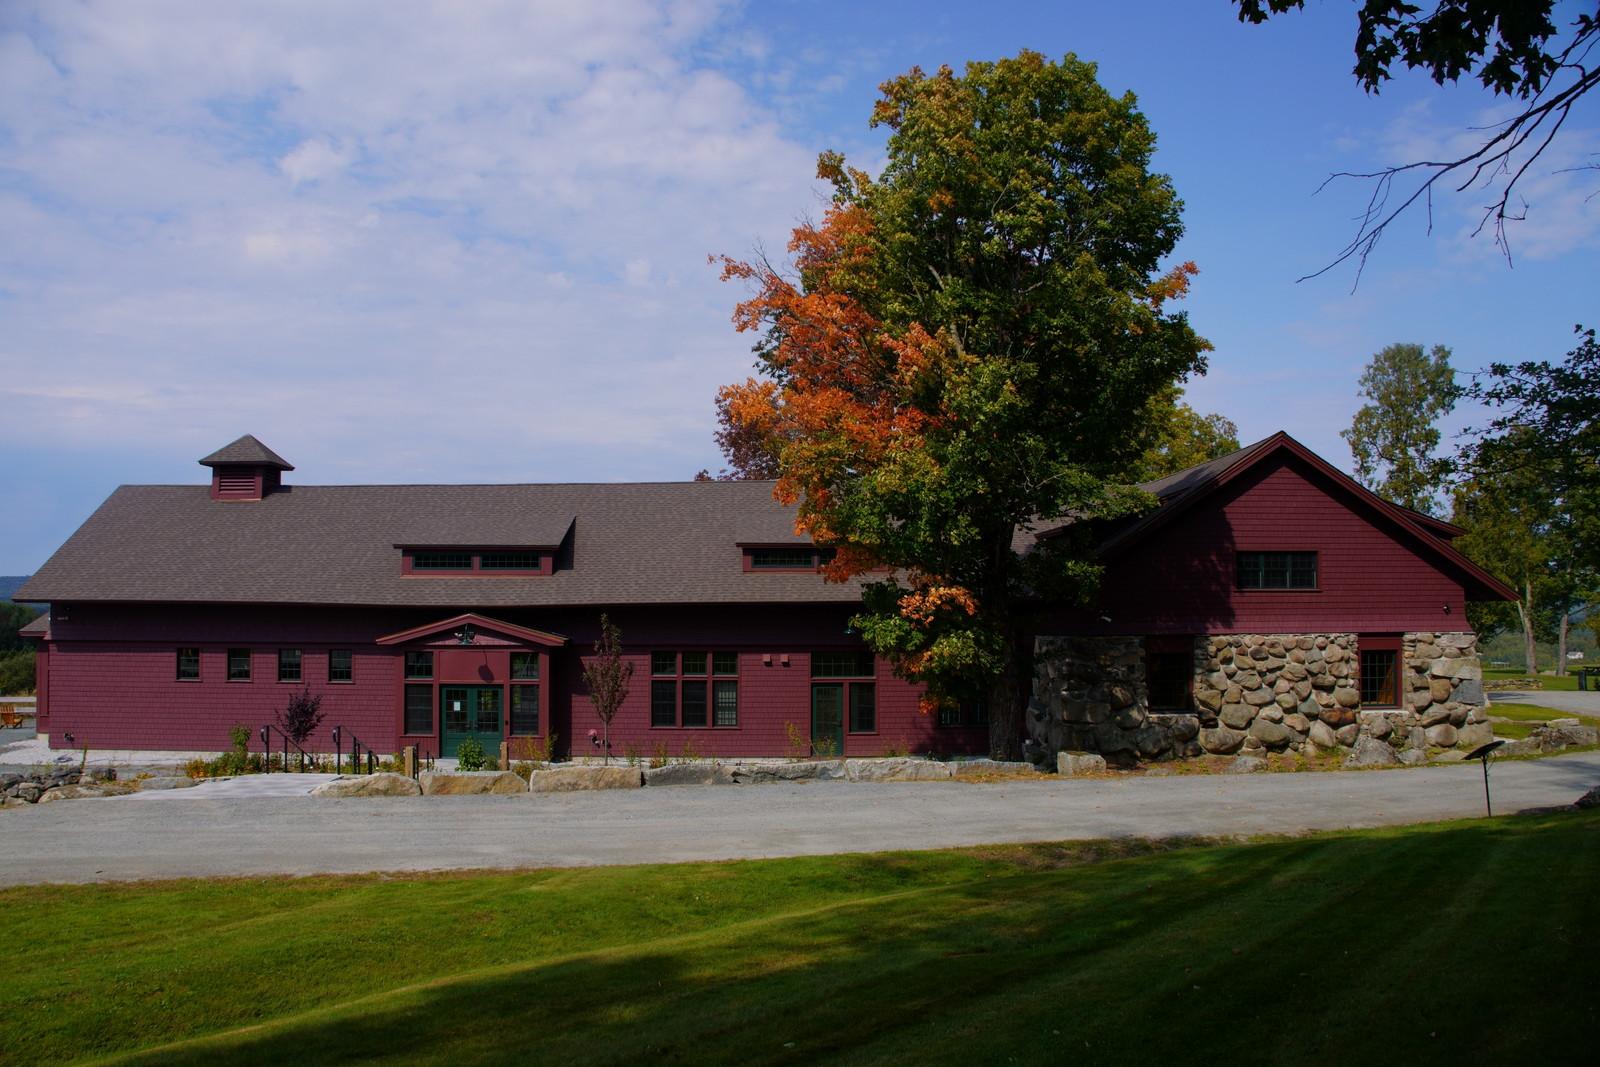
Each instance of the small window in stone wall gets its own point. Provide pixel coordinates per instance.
(1379, 677)
(1169, 678)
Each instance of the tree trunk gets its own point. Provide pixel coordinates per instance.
(1561, 643)
(1005, 715)
(605, 741)
(1530, 651)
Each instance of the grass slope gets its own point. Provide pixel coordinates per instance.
(1562, 682)
(1471, 940)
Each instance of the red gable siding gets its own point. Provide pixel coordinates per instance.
(1372, 577)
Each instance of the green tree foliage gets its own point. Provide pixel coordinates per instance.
(1545, 436)
(1179, 437)
(17, 673)
(1394, 435)
(1515, 48)
(967, 347)
(1507, 518)
(13, 617)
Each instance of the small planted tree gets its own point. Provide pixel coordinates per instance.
(607, 675)
(302, 717)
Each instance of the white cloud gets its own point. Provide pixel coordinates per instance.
(473, 234)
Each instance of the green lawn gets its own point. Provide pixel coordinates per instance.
(1565, 682)
(1471, 940)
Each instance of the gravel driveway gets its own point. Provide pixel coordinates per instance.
(119, 838)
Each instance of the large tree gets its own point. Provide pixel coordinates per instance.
(1545, 431)
(1178, 436)
(965, 346)
(1515, 48)
(1506, 517)
(1394, 435)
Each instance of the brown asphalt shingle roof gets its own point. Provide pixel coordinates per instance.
(626, 543)
(247, 450)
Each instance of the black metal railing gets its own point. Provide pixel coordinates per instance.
(357, 746)
(266, 746)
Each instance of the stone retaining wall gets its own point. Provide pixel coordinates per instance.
(1254, 693)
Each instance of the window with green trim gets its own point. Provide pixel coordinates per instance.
(419, 709)
(441, 561)
(694, 689)
(842, 665)
(510, 561)
(419, 664)
(1277, 570)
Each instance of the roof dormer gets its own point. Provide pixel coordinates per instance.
(245, 470)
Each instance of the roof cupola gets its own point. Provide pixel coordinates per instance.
(245, 470)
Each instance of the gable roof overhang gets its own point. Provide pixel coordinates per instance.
(521, 634)
(1180, 492)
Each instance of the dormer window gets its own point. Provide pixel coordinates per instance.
(785, 557)
(477, 562)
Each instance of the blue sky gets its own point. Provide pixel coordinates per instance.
(467, 242)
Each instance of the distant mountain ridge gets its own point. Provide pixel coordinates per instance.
(10, 583)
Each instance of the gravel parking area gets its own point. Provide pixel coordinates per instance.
(216, 834)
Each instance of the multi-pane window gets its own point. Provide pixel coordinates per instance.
(853, 664)
(799, 558)
(441, 561)
(288, 665)
(863, 707)
(1379, 683)
(419, 709)
(188, 664)
(1277, 570)
(238, 664)
(341, 665)
(509, 561)
(1169, 676)
(419, 664)
(524, 710)
(973, 711)
(525, 666)
(694, 689)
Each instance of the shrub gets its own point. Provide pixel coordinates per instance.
(631, 754)
(659, 759)
(302, 717)
(690, 751)
(796, 744)
(470, 756)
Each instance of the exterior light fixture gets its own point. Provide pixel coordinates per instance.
(466, 635)
(1447, 609)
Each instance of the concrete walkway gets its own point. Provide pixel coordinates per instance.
(245, 787)
(120, 838)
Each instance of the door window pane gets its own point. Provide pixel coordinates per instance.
(238, 664)
(694, 703)
(288, 664)
(419, 709)
(524, 709)
(863, 707)
(663, 703)
(841, 665)
(457, 717)
(525, 665)
(487, 719)
(341, 665)
(725, 700)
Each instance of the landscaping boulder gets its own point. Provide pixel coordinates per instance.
(1591, 799)
(689, 774)
(69, 792)
(1413, 757)
(1474, 735)
(974, 768)
(1443, 734)
(1347, 734)
(1221, 741)
(1072, 764)
(14, 802)
(574, 778)
(790, 770)
(1246, 765)
(369, 785)
(1370, 752)
(897, 769)
(465, 783)
(1322, 735)
(165, 782)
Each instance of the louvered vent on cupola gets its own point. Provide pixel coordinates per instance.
(245, 470)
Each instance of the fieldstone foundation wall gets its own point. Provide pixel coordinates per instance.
(1257, 693)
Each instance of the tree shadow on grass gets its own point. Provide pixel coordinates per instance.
(1281, 952)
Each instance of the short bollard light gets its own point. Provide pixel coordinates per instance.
(1483, 752)
(338, 750)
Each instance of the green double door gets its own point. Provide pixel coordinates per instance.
(827, 718)
(470, 711)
